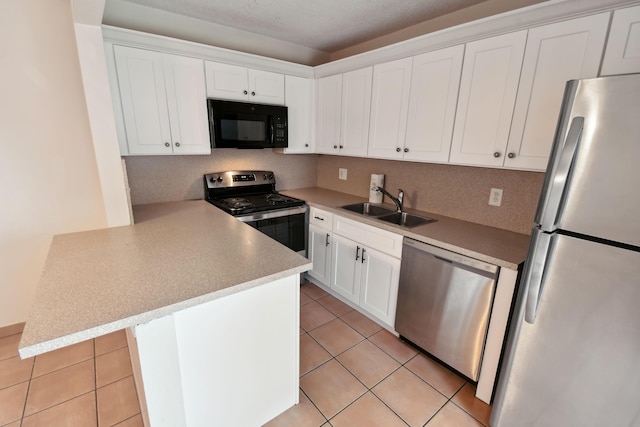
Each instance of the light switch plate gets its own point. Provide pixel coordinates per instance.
(342, 173)
(495, 197)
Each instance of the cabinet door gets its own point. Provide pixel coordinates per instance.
(389, 105)
(379, 277)
(622, 55)
(187, 103)
(144, 102)
(488, 90)
(226, 81)
(328, 114)
(356, 105)
(435, 81)
(554, 54)
(266, 87)
(319, 252)
(299, 102)
(345, 264)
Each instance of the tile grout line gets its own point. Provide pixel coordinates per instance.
(449, 399)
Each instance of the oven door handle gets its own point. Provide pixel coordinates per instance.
(256, 216)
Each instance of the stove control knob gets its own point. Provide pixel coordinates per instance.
(219, 179)
(264, 177)
(270, 176)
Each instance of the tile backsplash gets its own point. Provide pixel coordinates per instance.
(460, 192)
(457, 191)
(173, 178)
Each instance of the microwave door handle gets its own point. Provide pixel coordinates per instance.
(271, 131)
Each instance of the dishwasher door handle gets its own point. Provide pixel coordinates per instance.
(443, 259)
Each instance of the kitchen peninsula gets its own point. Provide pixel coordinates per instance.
(206, 300)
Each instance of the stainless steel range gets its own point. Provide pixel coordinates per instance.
(251, 197)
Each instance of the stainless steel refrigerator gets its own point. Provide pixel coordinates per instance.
(572, 356)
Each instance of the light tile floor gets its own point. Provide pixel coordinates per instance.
(355, 373)
(83, 385)
(352, 373)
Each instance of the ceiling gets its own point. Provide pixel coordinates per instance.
(325, 25)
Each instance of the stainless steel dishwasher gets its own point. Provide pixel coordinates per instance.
(444, 303)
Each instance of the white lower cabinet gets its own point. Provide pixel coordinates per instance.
(319, 245)
(379, 278)
(319, 252)
(365, 267)
(358, 262)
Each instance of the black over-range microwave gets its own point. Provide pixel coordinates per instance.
(245, 125)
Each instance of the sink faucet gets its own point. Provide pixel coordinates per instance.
(397, 201)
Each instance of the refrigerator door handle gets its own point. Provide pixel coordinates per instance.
(534, 277)
(558, 182)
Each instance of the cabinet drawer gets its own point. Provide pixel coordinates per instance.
(376, 238)
(320, 218)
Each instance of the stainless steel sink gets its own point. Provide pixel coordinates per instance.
(367, 209)
(405, 219)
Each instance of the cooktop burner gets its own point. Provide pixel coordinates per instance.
(245, 192)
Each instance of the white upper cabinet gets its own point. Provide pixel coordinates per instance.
(343, 107)
(163, 99)
(356, 105)
(623, 47)
(554, 54)
(225, 81)
(299, 101)
(488, 88)
(389, 107)
(328, 113)
(435, 81)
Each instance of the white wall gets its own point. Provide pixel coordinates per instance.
(49, 182)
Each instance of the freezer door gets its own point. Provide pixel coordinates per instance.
(577, 364)
(591, 185)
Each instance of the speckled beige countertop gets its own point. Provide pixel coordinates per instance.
(177, 255)
(500, 247)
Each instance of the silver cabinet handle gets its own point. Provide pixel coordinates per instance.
(533, 275)
(397, 149)
(341, 147)
(496, 154)
(357, 253)
(245, 92)
(511, 155)
(326, 242)
(253, 93)
(362, 259)
(177, 144)
(335, 146)
(550, 210)
(166, 144)
(406, 150)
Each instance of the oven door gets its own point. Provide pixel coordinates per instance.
(287, 226)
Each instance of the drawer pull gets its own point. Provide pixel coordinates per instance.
(326, 243)
(318, 218)
(357, 253)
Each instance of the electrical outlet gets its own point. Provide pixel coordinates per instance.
(495, 197)
(342, 173)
